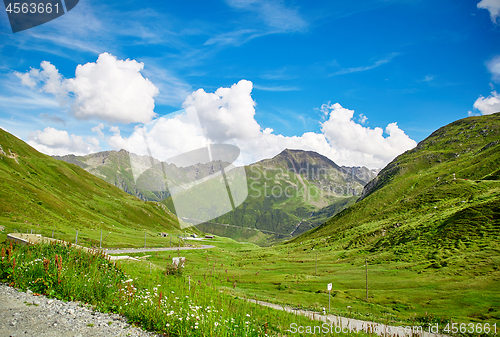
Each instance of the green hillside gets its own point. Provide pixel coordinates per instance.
(439, 201)
(42, 194)
(288, 195)
(420, 247)
(115, 168)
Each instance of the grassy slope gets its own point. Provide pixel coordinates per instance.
(115, 168)
(268, 214)
(431, 241)
(42, 194)
(416, 208)
(295, 187)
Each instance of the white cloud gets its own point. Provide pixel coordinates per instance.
(278, 88)
(493, 6)
(365, 68)
(427, 78)
(276, 16)
(273, 12)
(235, 38)
(98, 129)
(48, 77)
(494, 68)
(228, 116)
(353, 142)
(109, 89)
(488, 105)
(58, 142)
(113, 90)
(228, 113)
(165, 137)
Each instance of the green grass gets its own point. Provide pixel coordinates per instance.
(170, 304)
(41, 194)
(431, 240)
(295, 187)
(399, 292)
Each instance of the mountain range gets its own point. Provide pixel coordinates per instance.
(287, 195)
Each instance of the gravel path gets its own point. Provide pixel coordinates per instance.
(23, 314)
(356, 324)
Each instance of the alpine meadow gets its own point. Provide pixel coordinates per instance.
(250, 168)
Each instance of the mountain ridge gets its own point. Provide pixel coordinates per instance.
(438, 202)
(42, 193)
(313, 184)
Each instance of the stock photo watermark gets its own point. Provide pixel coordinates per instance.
(384, 330)
(28, 14)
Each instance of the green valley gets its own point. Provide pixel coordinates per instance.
(418, 244)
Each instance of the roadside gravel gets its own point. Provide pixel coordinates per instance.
(23, 314)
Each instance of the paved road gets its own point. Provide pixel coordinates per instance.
(354, 325)
(147, 250)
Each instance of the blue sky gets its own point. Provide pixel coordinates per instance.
(328, 76)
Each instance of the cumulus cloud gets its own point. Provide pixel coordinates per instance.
(109, 89)
(362, 118)
(163, 138)
(48, 78)
(488, 105)
(58, 142)
(492, 6)
(113, 90)
(98, 129)
(351, 140)
(228, 116)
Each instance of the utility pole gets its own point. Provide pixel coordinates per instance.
(100, 241)
(76, 239)
(366, 272)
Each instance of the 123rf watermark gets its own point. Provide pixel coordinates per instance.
(380, 329)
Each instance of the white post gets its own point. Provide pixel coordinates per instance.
(366, 271)
(329, 287)
(100, 241)
(145, 239)
(76, 238)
